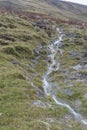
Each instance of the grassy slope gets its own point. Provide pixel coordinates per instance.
(18, 41)
(78, 45)
(58, 9)
(19, 67)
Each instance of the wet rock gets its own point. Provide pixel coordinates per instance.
(77, 67)
(69, 35)
(73, 53)
(83, 75)
(52, 120)
(65, 71)
(72, 77)
(69, 117)
(77, 36)
(84, 62)
(85, 54)
(85, 66)
(78, 77)
(39, 103)
(40, 93)
(83, 57)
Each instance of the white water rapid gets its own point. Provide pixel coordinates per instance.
(54, 66)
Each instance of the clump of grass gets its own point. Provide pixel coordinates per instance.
(23, 50)
(7, 37)
(9, 50)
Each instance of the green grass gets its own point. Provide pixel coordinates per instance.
(67, 61)
(19, 67)
(15, 91)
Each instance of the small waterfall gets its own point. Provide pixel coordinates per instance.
(54, 48)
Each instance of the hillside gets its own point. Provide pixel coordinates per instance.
(43, 65)
(66, 10)
(73, 8)
(56, 8)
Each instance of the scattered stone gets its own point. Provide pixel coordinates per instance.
(78, 77)
(71, 35)
(77, 67)
(68, 117)
(73, 53)
(39, 103)
(83, 75)
(65, 71)
(85, 66)
(40, 93)
(84, 62)
(52, 120)
(85, 95)
(72, 77)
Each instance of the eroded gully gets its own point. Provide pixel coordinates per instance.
(53, 66)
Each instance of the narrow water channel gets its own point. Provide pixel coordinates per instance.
(52, 66)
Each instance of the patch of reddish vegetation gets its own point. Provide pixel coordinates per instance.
(37, 16)
(70, 22)
(41, 20)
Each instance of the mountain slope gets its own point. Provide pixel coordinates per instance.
(30, 45)
(70, 10)
(56, 8)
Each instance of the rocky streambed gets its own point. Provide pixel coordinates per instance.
(54, 66)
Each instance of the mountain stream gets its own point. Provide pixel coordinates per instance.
(54, 66)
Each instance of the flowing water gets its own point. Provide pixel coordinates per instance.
(54, 66)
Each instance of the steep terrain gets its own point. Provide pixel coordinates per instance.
(60, 9)
(43, 65)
